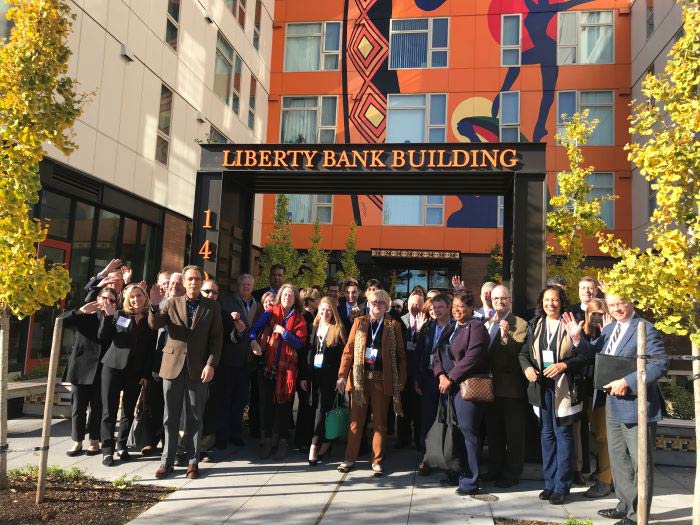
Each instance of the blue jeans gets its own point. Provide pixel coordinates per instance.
(557, 447)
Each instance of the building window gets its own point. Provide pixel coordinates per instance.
(307, 209)
(510, 40)
(585, 37)
(256, 26)
(216, 137)
(172, 25)
(237, 8)
(418, 43)
(164, 118)
(416, 118)
(413, 210)
(600, 106)
(509, 117)
(251, 102)
(650, 19)
(500, 212)
(5, 24)
(227, 73)
(312, 47)
(308, 120)
(602, 185)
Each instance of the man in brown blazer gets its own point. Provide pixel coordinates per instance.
(505, 418)
(195, 336)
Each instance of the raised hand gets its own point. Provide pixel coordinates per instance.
(457, 283)
(126, 274)
(420, 321)
(156, 295)
(143, 285)
(89, 308)
(607, 319)
(573, 327)
(505, 329)
(112, 266)
(109, 309)
(107, 281)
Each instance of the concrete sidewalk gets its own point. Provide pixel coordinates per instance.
(237, 486)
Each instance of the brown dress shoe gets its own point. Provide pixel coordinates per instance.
(192, 471)
(163, 471)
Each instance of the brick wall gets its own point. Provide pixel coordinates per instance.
(174, 238)
(473, 272)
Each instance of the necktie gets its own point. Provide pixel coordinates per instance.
(614, 338)
(493, 331)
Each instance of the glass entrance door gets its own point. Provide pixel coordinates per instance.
(42, 322)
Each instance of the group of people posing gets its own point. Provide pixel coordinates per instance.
(198, 360)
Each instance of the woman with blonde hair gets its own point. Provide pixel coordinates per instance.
(373, 371)
(126, 366)
(305, 414)
(325, 349)
(277, 336)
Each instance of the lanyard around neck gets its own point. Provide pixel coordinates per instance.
(375, 331)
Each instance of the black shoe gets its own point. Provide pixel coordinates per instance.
(74, 453)
(556, 498)
(579, 479)
(108, 460)
(181, 460)
(124, 455)
(545, 494)
(598, 490)
(237, 441)
(472, 492)
(506, 483)
(612, 514)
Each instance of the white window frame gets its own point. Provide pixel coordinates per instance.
(612, 192)
(322, 47)
(213, 130)
(424, 213)
(511, 47)
(238, 9)
(501, 126)
(315, 205)
(561, 125)
(430, 47)
(176, 24)
(161, 134)
(257, 22)
(426, 107)
(579, 32)
(319, 127)
(252, 101)
(236, 66)
(500, 211)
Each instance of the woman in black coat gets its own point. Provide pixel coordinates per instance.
(84, 371)
(126, 366)
(325, 350)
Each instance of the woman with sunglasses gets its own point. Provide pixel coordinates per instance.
(84, 371)
(325, 348)
(373, 371)
(126, 366)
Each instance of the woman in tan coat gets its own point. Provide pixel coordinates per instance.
(372, 371)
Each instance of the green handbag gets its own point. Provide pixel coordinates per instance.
(337, 420)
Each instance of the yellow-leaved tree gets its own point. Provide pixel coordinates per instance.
(664, 278)
(574, 213)
(38, 104)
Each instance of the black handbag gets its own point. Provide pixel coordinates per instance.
(442, 444)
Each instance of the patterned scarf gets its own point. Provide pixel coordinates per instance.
(358, 366)
(281, 359)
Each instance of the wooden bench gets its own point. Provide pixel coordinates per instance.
(23, 389)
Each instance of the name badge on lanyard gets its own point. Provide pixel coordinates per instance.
(318, 361)
(124, 322)
(371, 352)
(548, 355)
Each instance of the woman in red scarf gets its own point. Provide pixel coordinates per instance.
(277, 335)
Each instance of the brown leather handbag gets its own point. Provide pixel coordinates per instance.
(478, 388)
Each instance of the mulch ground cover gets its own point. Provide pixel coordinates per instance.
(76, 500)
(506, 521)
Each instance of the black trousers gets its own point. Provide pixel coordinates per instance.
(428, 405)
(274, 417)
(505, 424)
(306, 414)
(409, 425)
(81, 397)
(254, 403)
(156, 404)
(323, 394)
(113, 382)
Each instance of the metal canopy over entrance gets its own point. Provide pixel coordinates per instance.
(230, 176)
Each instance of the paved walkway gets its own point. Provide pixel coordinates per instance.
(238, 487)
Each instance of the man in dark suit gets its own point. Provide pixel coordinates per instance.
(276, 278)
(409, 397)
(620, 339)
(505, 418)
(431, 336)
(348, 307)
(195, 336)
(240, 311)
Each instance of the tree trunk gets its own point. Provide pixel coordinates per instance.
(4, 370)
(643, 465)
(696, 391)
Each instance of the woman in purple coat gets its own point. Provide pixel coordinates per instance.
(465, 355)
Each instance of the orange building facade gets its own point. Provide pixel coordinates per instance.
(421, 71)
